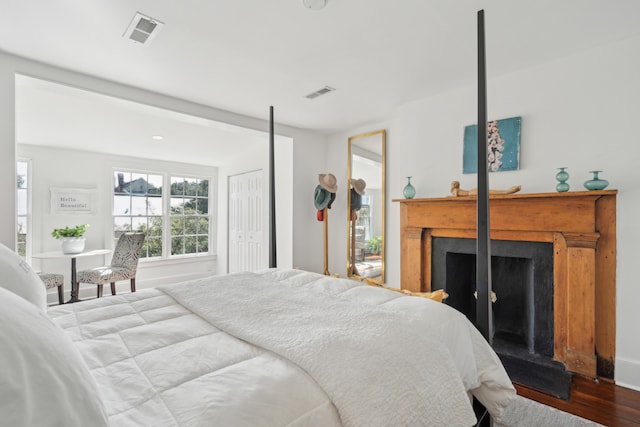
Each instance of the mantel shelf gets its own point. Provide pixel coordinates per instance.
(513, 196)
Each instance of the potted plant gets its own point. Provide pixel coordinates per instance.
(71, 238)
(375, 244)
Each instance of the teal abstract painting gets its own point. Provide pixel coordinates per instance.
(503, 143)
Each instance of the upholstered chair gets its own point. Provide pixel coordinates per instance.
(124, 264)
(53, 280)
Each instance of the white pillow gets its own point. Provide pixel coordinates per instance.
(17, 276)
(43, 379)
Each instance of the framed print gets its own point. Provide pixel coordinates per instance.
(72, 200)
(503, 143)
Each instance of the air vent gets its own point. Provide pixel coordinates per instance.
(320, 92)
(142, 29)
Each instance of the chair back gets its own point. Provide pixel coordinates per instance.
(127, 252)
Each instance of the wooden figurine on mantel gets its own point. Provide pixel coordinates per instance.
(456, 191)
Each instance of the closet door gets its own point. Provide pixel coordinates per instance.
(246, 222)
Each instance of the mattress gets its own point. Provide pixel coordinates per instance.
(283, 348)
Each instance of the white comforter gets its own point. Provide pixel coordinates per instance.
(283, 348)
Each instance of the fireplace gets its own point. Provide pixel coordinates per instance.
(522, 280)
(580, 230)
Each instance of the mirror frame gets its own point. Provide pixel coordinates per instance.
(383, 141)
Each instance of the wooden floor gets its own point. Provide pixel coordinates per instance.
(602, 402)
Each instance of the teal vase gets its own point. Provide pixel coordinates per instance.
(562, 176)
(596, 183)
(409, 192)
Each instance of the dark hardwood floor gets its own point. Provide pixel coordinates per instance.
(602, 402)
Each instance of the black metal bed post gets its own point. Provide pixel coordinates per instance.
(484, 318)
(272, 194)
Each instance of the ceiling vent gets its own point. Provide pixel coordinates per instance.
(142, 29)
(320, 92)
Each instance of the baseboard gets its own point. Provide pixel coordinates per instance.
(628, 373)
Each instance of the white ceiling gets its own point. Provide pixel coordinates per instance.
(244, 55)
(54, 115)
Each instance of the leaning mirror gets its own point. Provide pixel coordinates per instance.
(365, 206)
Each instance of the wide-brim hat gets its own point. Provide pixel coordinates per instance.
(328, 181)
(356, 200)
(321, 198)
(358, 185)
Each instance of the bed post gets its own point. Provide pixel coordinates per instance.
(272, 194)
(484, 319)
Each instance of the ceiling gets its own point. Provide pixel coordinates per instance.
(53, 115)
(245, 55)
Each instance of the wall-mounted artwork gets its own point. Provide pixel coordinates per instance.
(503, 142)
(72, 200)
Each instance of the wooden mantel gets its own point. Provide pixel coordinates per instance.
(581, 225)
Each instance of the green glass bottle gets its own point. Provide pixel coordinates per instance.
(409, 192)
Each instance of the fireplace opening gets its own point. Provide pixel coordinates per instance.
(522, 280)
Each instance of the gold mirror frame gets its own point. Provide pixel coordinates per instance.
(366, 160)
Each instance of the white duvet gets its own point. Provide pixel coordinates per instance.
(283, 348)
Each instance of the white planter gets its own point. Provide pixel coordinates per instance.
(72, 245)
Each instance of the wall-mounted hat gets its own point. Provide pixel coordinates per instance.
(358, 185)
(321, 198)
(328, 182)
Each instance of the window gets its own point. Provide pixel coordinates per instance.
(189, 216)
(141, 203)
(138, 206)
(22, 206)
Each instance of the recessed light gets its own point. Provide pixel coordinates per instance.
(157, 137)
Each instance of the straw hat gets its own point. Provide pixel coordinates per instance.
(358, 185)
(328, 182)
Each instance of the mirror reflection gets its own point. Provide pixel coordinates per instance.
(365, 215)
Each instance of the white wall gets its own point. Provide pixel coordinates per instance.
(581, 112)
(7, 153)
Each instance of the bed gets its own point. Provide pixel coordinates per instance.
(274, 348)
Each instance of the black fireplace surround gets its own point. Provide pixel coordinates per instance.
(522, 279)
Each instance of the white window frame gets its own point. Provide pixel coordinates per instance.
(166, 211)
(208, 216)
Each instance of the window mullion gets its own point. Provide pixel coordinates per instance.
(166, 216)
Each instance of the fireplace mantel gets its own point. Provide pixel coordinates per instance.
(581, 225)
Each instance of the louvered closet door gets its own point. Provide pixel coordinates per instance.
(246, 222)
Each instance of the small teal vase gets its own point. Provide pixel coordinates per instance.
(562, 176)
(409, 192)
(596, 183)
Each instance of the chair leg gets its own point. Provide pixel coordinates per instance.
(133, 284)
(60, 295)
(99, 291)
(113, 288)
